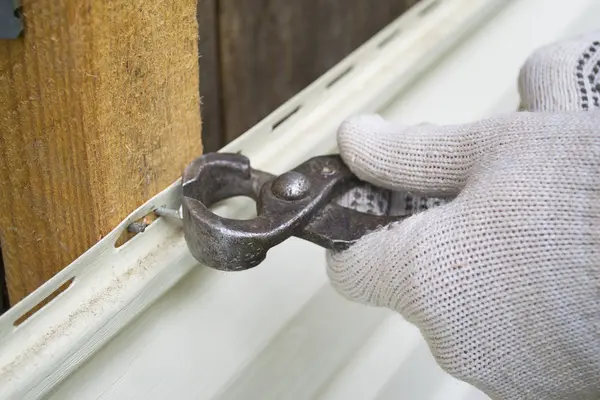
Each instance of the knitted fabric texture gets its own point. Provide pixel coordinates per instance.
(503, 280)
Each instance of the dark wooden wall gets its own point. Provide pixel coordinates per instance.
(256, 54)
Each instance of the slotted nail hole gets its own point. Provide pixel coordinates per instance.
(285, 117)
(44, 302)
(340, 76)
(388, 38)
(244, 206)
(428, 8)
(135, 228)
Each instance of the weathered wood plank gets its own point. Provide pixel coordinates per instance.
(210, 76)
(271, 49)
(99, 110)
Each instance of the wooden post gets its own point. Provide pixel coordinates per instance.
(272, 49)
(99, 110)
(210, 75)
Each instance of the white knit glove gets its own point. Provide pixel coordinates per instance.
(503, 280)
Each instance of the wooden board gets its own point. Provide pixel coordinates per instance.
(3, 290)
(210, 76)
(271, 49)
(98, 112)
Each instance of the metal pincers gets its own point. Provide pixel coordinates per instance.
(297, 203)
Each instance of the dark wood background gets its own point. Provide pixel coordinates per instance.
(256, 54)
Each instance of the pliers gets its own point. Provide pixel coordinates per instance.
(300, 202)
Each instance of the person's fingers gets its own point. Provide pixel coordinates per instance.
(424, 159)
(385, 268)
(563, 76)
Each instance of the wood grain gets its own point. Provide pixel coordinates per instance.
(271, 49)
(3, 290)
(99, 110)
(210, 76)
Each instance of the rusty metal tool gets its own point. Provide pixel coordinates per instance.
(300, 202)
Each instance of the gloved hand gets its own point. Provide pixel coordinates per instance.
(503, 280)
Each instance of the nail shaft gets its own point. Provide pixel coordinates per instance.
(168, 212)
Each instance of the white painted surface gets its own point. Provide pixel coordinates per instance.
(277, 331)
